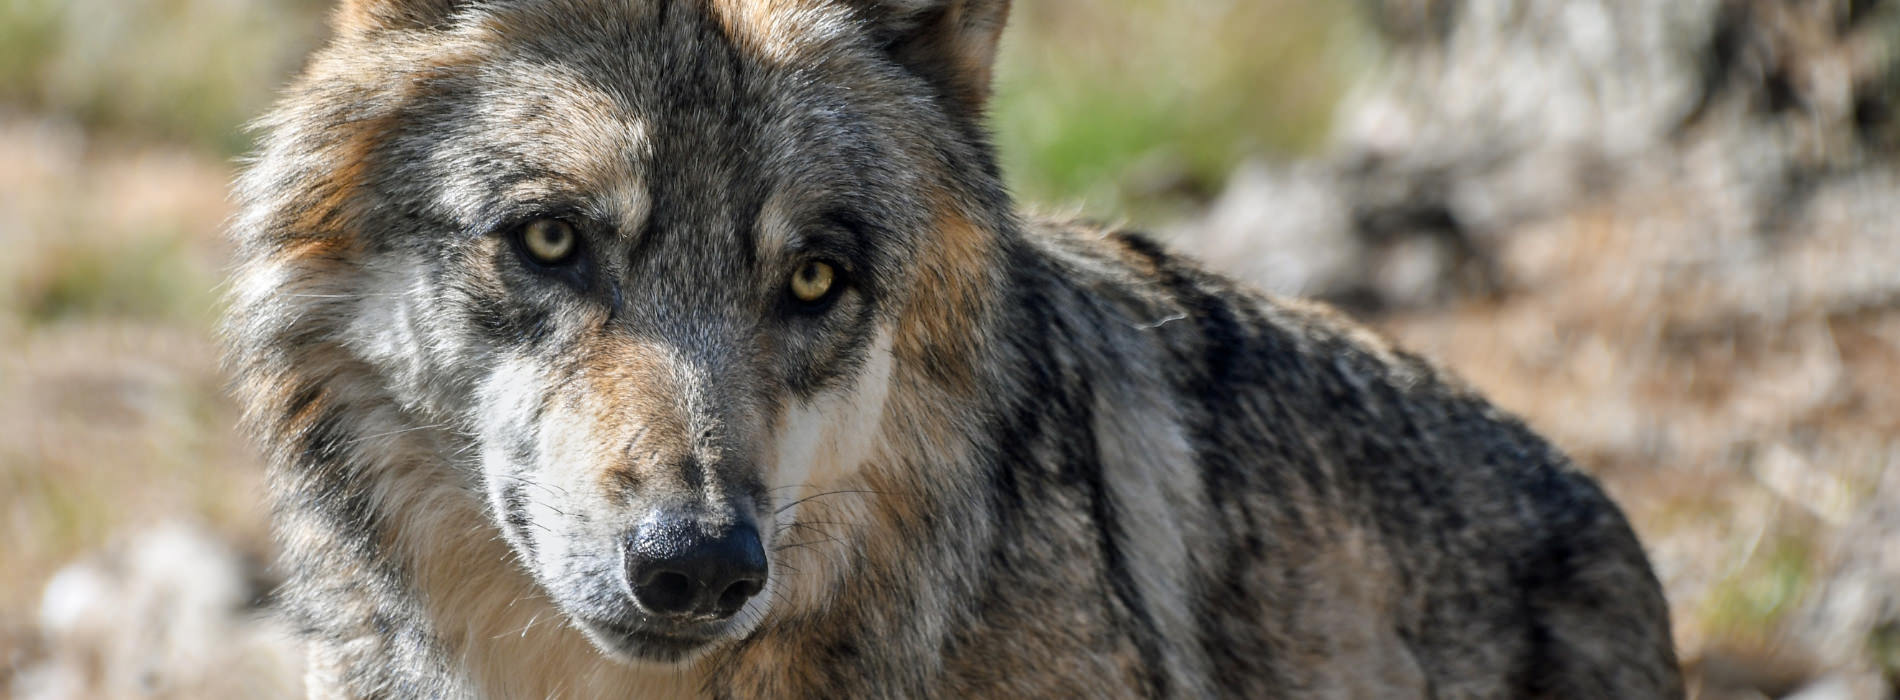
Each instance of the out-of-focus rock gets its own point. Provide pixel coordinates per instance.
(1302, 249)
(1843, 686)
(1854, 615)
(1487, 117)
(170, 612)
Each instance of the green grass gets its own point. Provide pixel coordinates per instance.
(1128, 106)
(179, 70)
(29, 34)
(147, 278)
(1756, 599)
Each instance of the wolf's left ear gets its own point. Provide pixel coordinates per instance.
(951, 43)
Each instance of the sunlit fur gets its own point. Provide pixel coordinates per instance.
(998, 458)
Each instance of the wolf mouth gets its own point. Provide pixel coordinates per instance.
(644, 644)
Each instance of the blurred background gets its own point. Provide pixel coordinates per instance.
(1667, 232)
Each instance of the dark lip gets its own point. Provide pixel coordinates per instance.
(646, 644)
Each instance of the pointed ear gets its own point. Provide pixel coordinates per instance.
(361, 16)
(951, 43)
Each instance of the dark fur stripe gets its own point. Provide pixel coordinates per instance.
(334, 487)
(1058, 415)
(514, 509)
(1215, 379)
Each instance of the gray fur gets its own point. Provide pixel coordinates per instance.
(1006, 458)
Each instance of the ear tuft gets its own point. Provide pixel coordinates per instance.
(362, 16)
(951, 43)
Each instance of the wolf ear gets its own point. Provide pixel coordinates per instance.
(359, 16)
(951, 43)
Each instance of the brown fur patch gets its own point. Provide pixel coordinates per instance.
(939, 330)
(1142, 264)
(315, 254)
(335, 192)
(629, 400)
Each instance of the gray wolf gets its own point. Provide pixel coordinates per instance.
(693, 347)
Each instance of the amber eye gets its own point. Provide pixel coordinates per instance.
(549, 241)
(813, 281)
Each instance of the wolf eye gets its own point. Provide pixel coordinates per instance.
(813, 281)
(548, 241)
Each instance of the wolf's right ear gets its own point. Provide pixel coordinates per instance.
(361, 16)
(951, 43)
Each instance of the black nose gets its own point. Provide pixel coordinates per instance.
(676, 569)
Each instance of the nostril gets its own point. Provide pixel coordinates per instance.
(737, 594)
(676, 568)
(666, 592)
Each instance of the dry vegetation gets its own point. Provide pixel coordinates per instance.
(1728, 366)
(111, 416)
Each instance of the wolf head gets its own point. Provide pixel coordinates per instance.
(653, 267)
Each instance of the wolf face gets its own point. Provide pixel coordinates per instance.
(650, 258)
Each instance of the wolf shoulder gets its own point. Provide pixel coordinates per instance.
(1318, 442)
(1261, 364)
